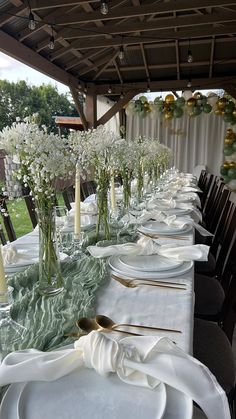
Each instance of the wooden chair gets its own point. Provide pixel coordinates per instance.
(87, 188)
(69, 196)
(11, 235)
(30, 205)
(206, 188)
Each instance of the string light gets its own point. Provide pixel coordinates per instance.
(121, 95)
(190, 55)
(104, 7)
(31, 24)
(189, 84)
(148, 88)
(109, 90)
(51, 44)
(121, 53)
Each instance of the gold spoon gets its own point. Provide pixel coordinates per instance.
(107, 323)
(87, 325)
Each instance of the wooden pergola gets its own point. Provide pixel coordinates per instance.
(138, 45)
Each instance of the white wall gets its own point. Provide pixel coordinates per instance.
(103, 105)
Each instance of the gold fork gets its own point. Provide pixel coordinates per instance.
(162, 236)
(134, 283)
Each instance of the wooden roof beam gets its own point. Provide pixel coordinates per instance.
(106, 65)
(15, 49)
(130, 11)
(158, 24)
(45, 4)
(212, 57)
(165, 35)
(118, 71)
(145, 62)
(79, 107)
(177, 59)
(167, 85)
(117, 107)
(8, 15)
(99, 63)
(73, 63)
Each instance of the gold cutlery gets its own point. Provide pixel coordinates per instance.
(87, 325)
(108, 323)
(162, 236)
(133, 283)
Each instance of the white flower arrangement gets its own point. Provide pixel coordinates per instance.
(43, 157)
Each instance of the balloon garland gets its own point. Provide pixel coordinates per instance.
(172, 107)
(228, 168)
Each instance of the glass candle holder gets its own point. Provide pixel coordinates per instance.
(11, 333)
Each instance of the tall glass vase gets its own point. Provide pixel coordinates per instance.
(50, 276)
(103, 228)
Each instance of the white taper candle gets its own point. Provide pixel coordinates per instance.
(77, 202)
(3, 282)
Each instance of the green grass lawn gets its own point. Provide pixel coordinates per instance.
(20, 217)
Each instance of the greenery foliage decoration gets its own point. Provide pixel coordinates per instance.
(228, 167)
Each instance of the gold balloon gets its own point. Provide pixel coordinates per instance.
(191, 101)
(218, 112)
(229, 131)
(234, 112)
(222, 102)
(229, 141)
(168, 115)
(232, 165)
(226, 165)
(169, 99)
(197, 95)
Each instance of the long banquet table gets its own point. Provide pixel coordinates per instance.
(90, 394)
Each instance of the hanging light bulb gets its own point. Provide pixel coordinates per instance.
(121, 54)
(31, 24)
(121, 95)
(109, 90)
(190, 56)
(104, 7)
(189, 84)
(51, 44)
(148, 88)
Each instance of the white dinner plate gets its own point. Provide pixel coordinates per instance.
(149, 263)
(83, 394)
(184, 198)
(127, 272)
(177, 211)
(157, 227)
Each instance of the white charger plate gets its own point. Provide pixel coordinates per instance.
(149, 263)
(127, 272)
(83, 394)
(176, 211)
(157, 227)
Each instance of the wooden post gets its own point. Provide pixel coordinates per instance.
(91, 109)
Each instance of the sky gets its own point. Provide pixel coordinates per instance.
(13, 71)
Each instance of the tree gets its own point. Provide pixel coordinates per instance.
(21, 100)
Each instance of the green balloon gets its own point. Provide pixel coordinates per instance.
(196, 110)
(232, 173)
(180, 101)
(204, 100)
(228, 150)
(158, 101)
(178, 112)
(223, 171)
(207, 108)
(143, 99)
(228, 117)
(234, 146)
(229, 107)
(226, 179)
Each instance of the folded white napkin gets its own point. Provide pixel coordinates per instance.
(146, 246)
(85, 207)
(11, 255)
(182, 222)
(167, 204)
(144, 361)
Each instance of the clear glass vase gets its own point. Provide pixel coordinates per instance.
(50, 276)
(103, 227)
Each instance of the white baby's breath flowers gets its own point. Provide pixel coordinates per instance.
(43, 157)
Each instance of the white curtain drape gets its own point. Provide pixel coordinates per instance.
(194, 141)
(103, 105)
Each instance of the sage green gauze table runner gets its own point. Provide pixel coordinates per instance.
(47, 319)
